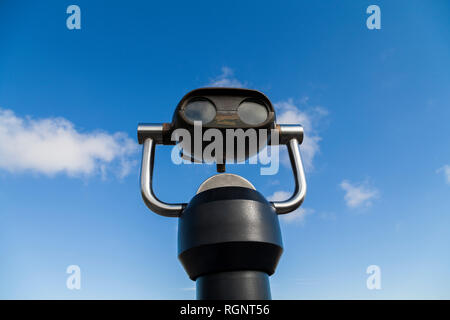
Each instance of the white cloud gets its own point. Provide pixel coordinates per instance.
(189, 288)
(53, 145)
(358, 195)
(226, 79)
(446, 172)
(289, 113)
(297, 216)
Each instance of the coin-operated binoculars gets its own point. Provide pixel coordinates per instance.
(229, 238)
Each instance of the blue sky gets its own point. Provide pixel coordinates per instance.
(374, 103)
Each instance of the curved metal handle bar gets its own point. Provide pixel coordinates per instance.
(151, 134)
(150, 199)
(282, 207)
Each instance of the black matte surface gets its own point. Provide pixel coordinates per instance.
(228, 230)
(237, 285)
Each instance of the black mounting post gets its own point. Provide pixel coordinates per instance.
(229, 242)
(229, 238)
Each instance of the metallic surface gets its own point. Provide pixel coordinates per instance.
(150, 199)
(224, 180)
(290, 131)
(150, 130)
(152, 134)
(282, 207)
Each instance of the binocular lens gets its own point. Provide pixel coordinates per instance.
(252, 113)
(200, 110)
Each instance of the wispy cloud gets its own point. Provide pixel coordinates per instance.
(226, 79)
(358, 195)
(53, 145)
(298, 216)
(289, 113)
(445, 170)
(188, 288)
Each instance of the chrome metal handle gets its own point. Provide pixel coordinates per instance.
(148, 195)
(292, 135)
(151, 134)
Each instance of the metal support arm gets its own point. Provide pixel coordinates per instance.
(151, 135)
(292, 135)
